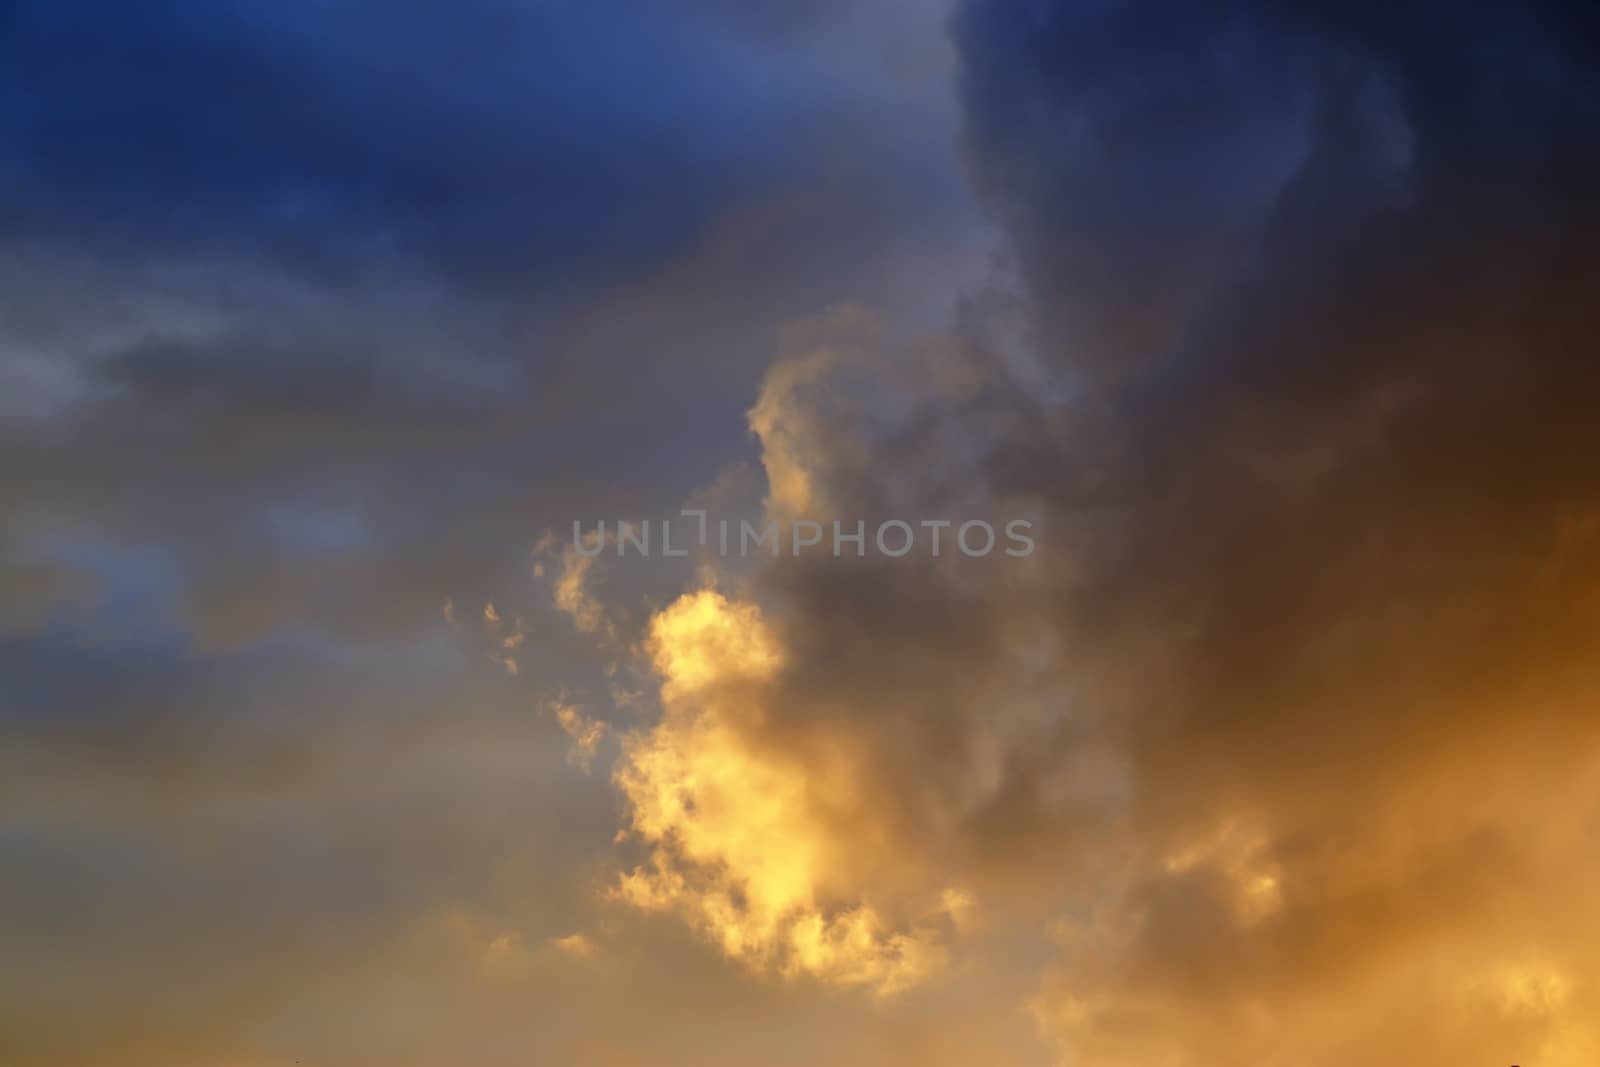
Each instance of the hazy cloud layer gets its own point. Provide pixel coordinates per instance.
(320, 743)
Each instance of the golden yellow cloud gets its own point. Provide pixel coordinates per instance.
(575, 945)
(786, 446)
(739, 849)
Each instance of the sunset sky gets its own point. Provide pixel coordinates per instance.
(340, 728)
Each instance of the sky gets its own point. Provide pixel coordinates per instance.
(344, 723)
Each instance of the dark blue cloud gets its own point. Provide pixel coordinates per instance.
(1326, 271)
(556, 141)
(448, 275)
(1146, 155)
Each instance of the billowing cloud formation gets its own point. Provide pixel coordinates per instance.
(1319, 274)
(1288, 734)
(741, 837)
(312, 316)
(1282, 747)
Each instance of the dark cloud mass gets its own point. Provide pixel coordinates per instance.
(315, 319)
(1306, 682)
(1288, 722)
(314, 131)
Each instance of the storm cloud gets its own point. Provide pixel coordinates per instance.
(321, 325)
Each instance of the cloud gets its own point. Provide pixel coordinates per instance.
(1280, 748)
(322, 346)
(311, 317)
(739, 835)
(576, 945)
(586, 734)
(571, 594)
(1321, 475)
(1287, 724)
